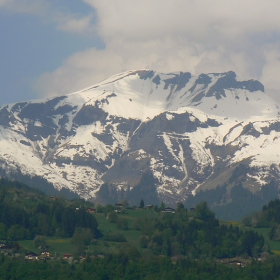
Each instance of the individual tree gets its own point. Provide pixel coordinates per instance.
(122, 224)
(142, 203)
(100, 208)
(108, 208)
(124, 202)
(40, 241)
(143, 241)
(16, 232)
(3, 231)
(203, 212)
(43, 224)
(112, 217)
(162, 206)
(180, 207)
(116, 237)
(68, 221)
(82, 236)
(133, 253)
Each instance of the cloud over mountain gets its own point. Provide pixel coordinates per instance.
(187, 131)
(195, 36)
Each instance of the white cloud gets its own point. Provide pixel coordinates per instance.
(35, 7)
(187, 35)
(144, 19)
(62, 18)
(74, 23)
(270, 72)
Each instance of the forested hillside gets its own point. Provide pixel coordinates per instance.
(25, 212)
(268, 217)
(124, 242)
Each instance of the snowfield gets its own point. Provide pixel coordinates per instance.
(172, 124)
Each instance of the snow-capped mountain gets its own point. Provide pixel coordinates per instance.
(188, 131)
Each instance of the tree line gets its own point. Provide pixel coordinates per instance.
(125, 266)
(25, 213)
(180, 245)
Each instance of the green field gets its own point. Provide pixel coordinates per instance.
(273, 245)
(132, 236)
(59, 246)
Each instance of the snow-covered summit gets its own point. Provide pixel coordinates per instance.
(143, 94)
(185, 130)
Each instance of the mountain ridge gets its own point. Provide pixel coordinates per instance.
(181, 128)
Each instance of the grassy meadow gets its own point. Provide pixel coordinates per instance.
(59, 246)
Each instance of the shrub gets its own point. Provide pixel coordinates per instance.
(143, 241)
(116, 237)
(112, 217)
(122, 224)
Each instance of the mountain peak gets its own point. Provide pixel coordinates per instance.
(180, 127)
(143, 94)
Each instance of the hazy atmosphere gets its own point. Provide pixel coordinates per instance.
(53, 47)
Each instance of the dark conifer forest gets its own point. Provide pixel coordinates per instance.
(145, 243)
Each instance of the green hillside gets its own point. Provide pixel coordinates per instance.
(87, 241)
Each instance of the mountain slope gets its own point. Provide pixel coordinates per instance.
(185, 130)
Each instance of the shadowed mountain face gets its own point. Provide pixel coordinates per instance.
(188, 132)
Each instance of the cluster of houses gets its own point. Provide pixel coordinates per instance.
(168, 210)
(6, 248)
(146, 207)
(31, 256)
(91, 210)
(69, 257)
(121, 207)
(231, 262)
(44, 255)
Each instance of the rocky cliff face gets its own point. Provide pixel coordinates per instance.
(189, 132)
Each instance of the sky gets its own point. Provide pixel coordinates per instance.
(55, 47)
